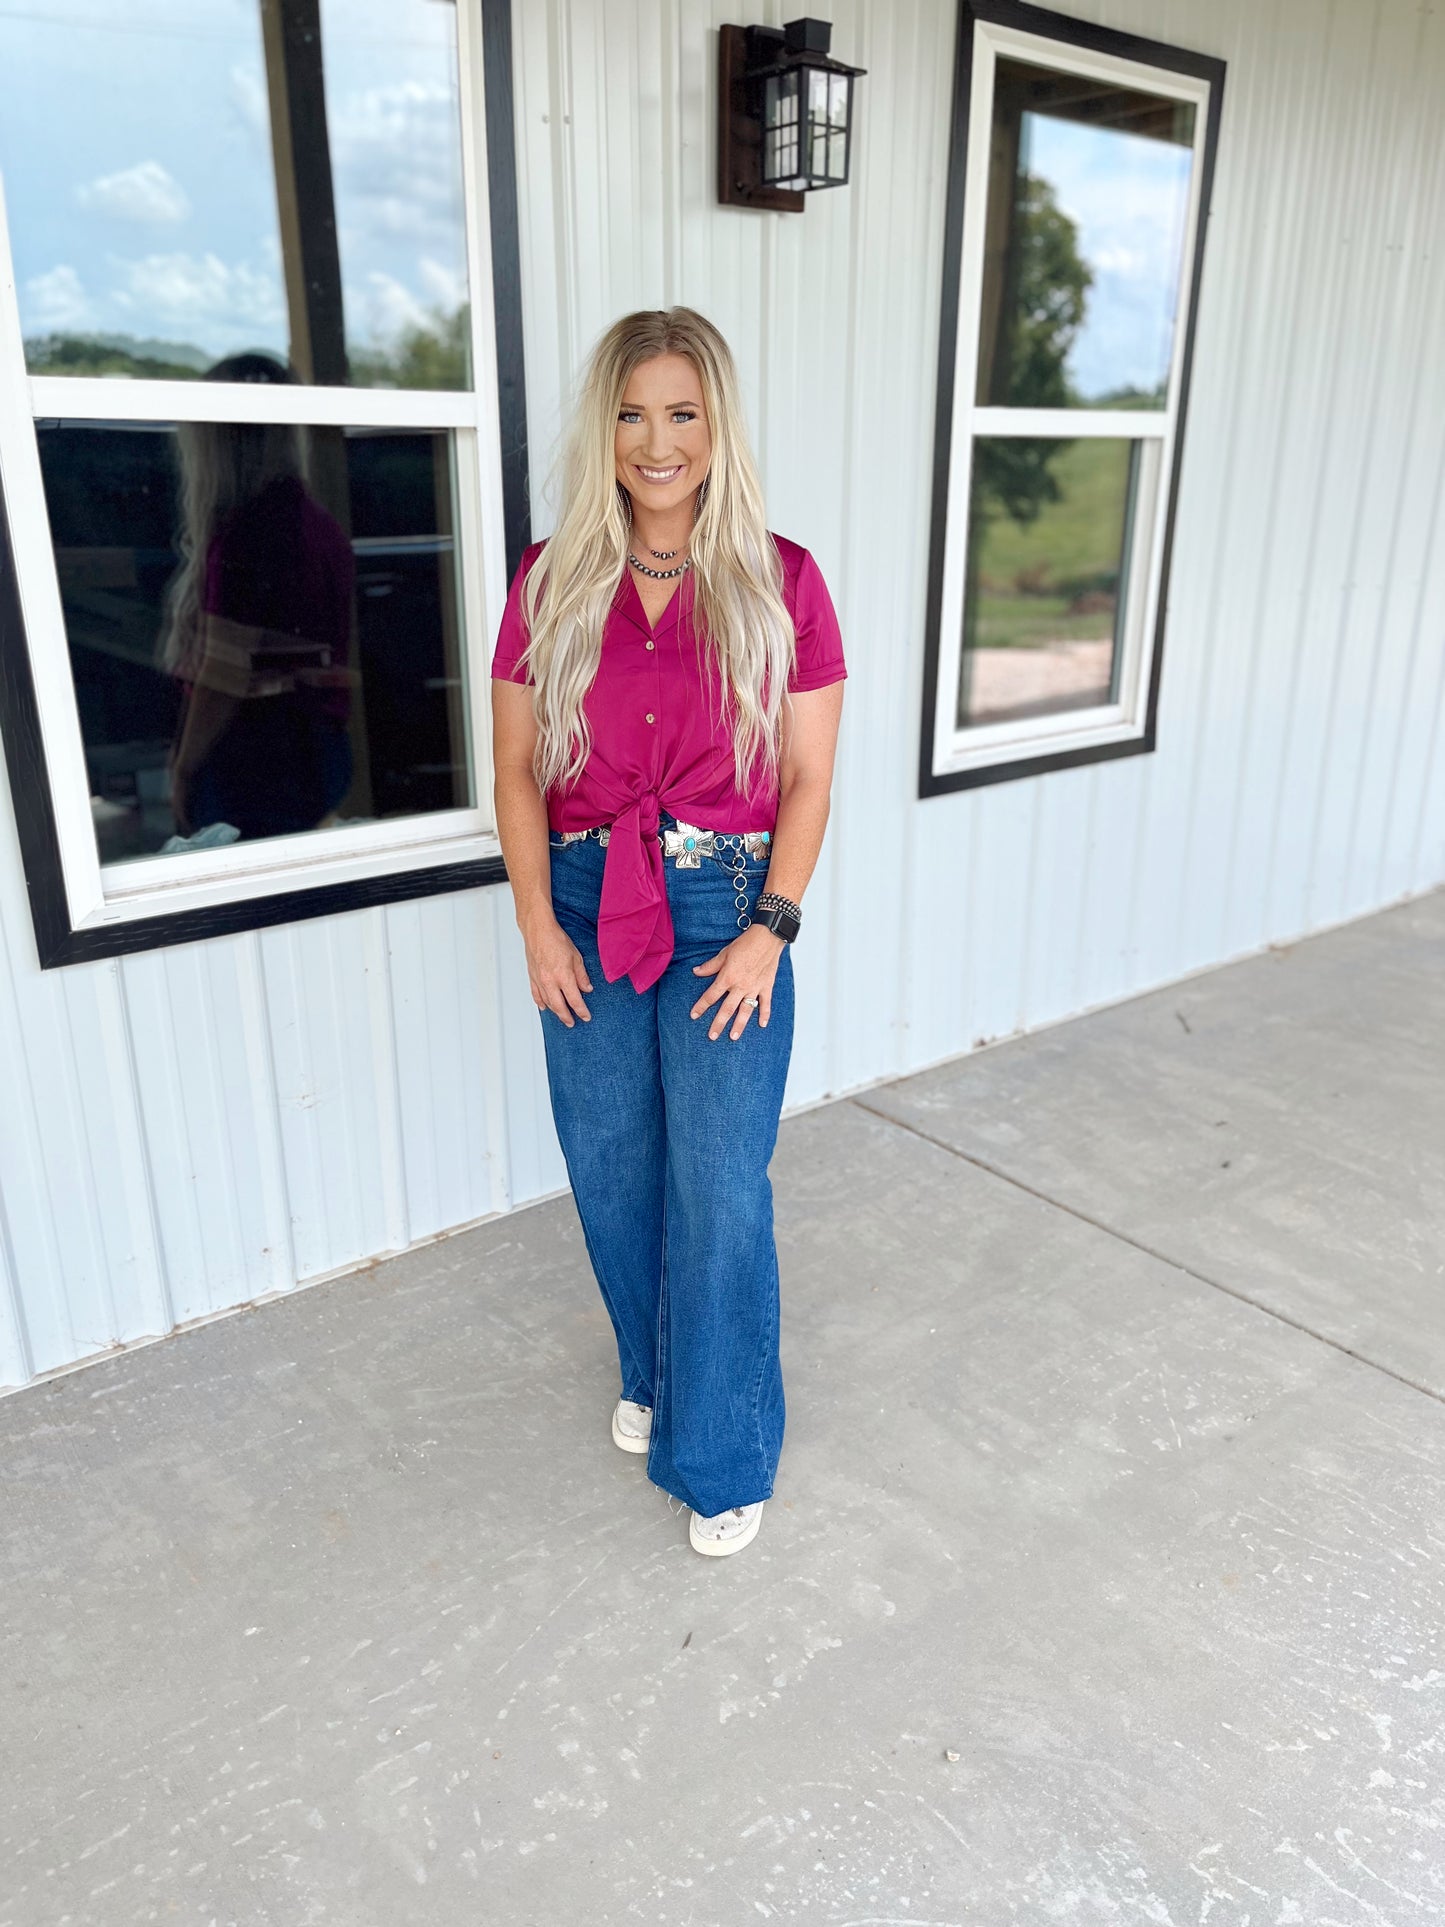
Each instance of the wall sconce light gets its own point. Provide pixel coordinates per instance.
(785, 114)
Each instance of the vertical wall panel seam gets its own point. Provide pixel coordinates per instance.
(1333, 351)
(1437, 724)
(77, 984)
(1373, 304)
(1246, 107)
(147, 1158)
(1430, 220)
(348, 1121)
(1097, 775)
(382, 1033)
(670, 66)
(270, 1143)
(564, 225)
(218, 1083)
(1274, 517)
(1033, 866)
(403, 1161)
(855, 232)
(1403, 304)
(181, 1114)
(15, 1319)
(46, 1218)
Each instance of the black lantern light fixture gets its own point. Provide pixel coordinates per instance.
(785, 114)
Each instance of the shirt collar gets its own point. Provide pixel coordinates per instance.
(628, 604)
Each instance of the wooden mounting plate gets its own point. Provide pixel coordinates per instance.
(740, 135)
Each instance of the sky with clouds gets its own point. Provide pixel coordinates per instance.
(1128, 196)
(136, 159)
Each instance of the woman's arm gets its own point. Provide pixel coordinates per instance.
(748, 965)
(207, 716)
(555, 970)
(810, 741)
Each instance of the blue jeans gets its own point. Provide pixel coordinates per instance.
(668, 1134)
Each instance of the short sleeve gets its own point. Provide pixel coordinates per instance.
(820, 641)
(512, 634)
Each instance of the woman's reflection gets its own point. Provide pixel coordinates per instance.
(258, 629)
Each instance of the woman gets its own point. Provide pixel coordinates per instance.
(258, 628)
(667, 685)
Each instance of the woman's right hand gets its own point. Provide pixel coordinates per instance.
(555, 970)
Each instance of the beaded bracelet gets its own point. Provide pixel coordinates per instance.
(775, 900)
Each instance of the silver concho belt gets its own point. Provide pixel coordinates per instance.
(687, 844)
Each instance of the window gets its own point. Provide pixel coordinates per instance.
(257, 521)
(1078, 184)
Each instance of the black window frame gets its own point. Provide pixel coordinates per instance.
(1068, 32)
(57, 941)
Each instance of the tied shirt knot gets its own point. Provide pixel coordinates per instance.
(634, 923)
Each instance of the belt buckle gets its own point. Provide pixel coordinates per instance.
(688, 844)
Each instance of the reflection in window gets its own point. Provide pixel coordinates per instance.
(263, 626)
(1087, 205)
(188, 182)
(1048, 531)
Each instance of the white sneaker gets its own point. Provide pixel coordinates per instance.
(726, 1532)
(632, 1425)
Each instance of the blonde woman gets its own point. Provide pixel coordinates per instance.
(667, 686)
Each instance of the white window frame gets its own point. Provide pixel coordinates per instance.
(1069, 735)
(102, 897)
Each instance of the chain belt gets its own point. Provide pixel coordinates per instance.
(688, 845)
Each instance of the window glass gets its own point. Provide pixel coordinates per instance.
(187, 181)
(1048, 530)
(263, 624)
(1088, 200)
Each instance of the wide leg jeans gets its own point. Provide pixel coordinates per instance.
(667, 1135)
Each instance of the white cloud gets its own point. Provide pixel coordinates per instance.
(445, 287)
(397, 155)
(56, 300)
(145, 192)
(384, 307)
(1129, 263)
(248, 97)
(381, 307)
(199, 292)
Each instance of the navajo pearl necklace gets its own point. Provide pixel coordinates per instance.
(661, 575)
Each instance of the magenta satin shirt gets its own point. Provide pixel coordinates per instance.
(654, 746)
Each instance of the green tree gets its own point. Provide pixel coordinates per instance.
(1044, 302)
(431, 354)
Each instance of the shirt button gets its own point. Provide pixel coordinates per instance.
(649, 715)
(652, 645)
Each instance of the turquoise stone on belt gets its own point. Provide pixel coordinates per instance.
(688, 844)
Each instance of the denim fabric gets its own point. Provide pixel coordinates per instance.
(668, 1134)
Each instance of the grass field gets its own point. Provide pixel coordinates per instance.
(1073, 540)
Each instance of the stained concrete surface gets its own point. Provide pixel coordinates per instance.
(1114, 1465)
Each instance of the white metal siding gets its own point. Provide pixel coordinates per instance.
(185, 1131)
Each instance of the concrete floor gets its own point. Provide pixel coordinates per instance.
(1115, 1359)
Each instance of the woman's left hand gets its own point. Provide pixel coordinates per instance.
(744, 968)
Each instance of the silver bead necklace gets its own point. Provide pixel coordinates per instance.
(660, 575)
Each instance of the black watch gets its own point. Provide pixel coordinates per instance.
(781, 922)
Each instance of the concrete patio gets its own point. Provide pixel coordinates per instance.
(1115, 1468)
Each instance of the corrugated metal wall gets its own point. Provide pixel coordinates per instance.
(185, 1131)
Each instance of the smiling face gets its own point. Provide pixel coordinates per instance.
(663, 442)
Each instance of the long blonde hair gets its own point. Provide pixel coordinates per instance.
(737, 572)
(222, 466)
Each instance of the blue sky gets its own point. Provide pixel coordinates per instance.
(1129, 197)
(135, 154)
